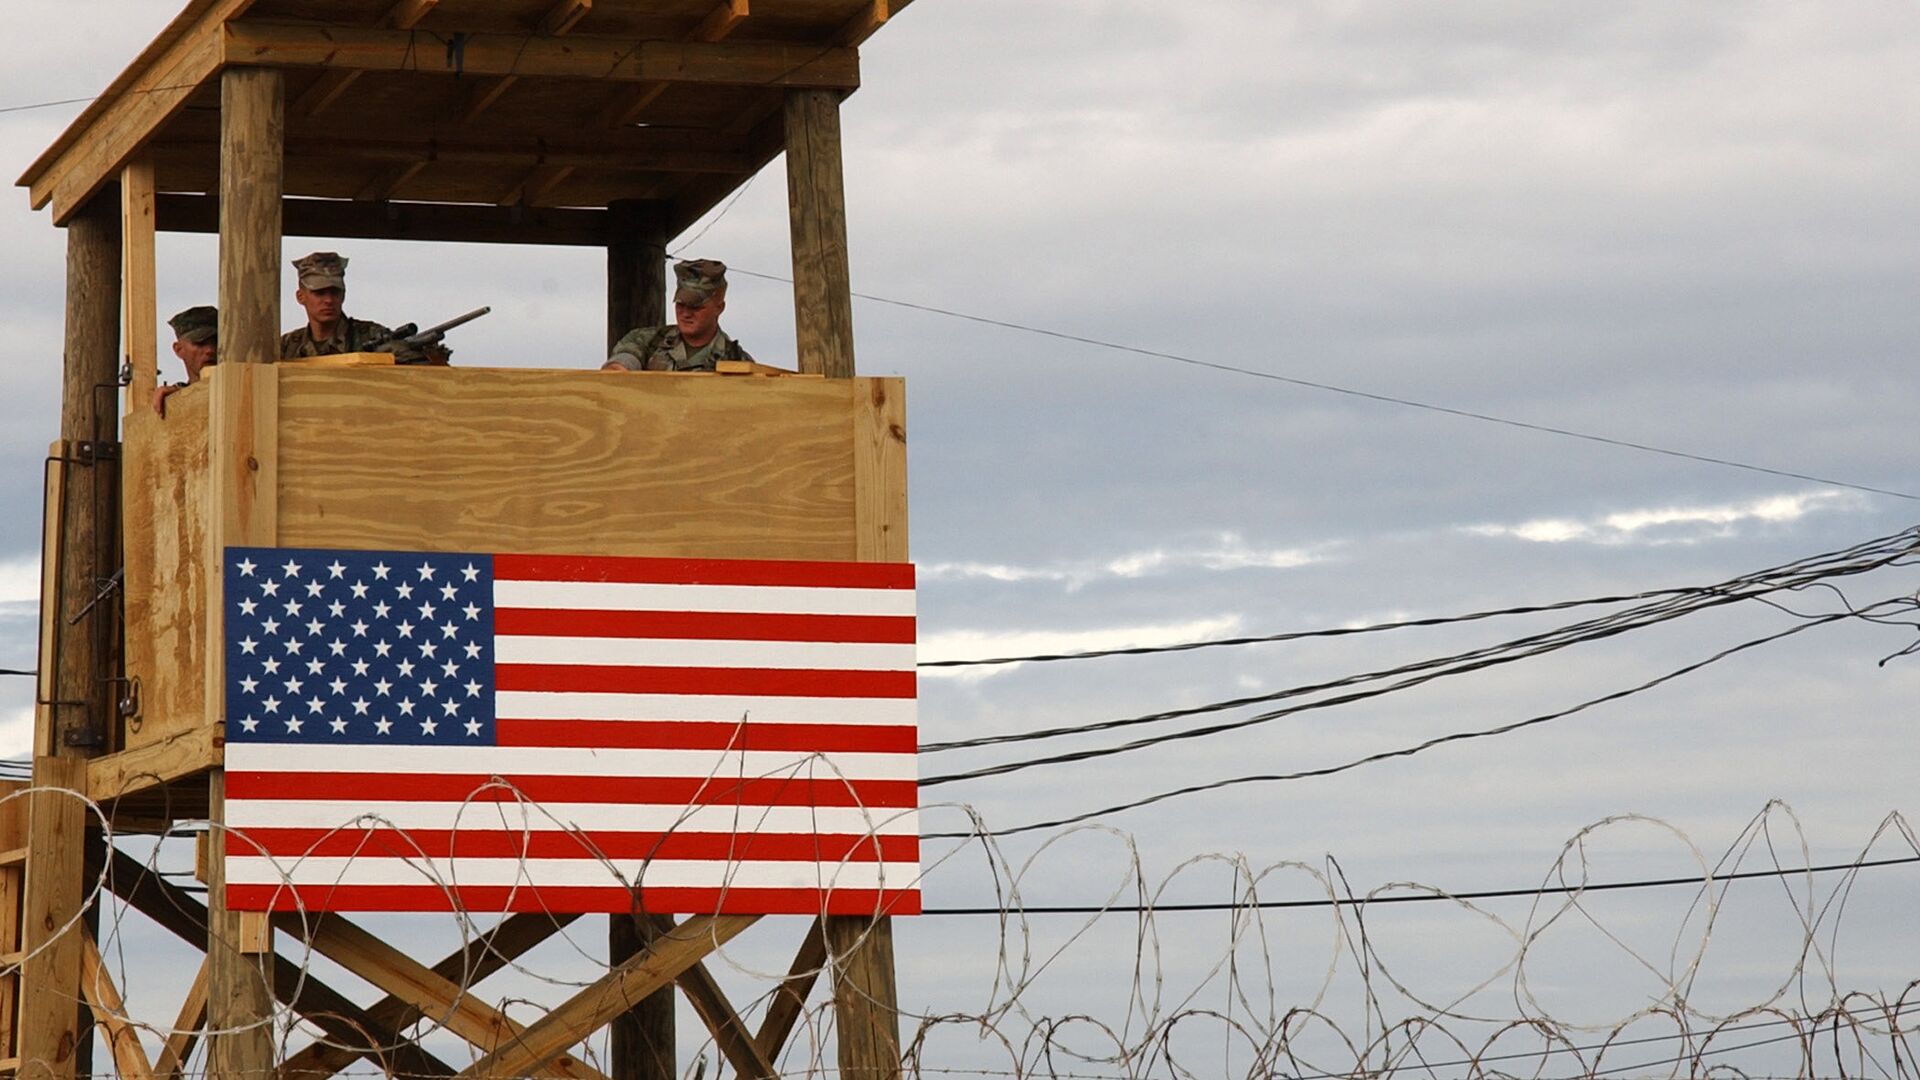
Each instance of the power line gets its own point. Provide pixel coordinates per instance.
(1299, 635)
(1388, 399)
(1405, 751)
(1419, 898)
(1860, 558)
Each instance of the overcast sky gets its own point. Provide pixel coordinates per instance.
(1687, 225)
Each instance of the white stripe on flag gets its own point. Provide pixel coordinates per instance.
(722, 766)
(562, 705)
(657, 873)
(660, 652)
(756, 599)
(517, 817)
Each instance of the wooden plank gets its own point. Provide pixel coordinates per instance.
(724, 19)
(816, 196)
(110, 1012)
(178, 1047)
(790, 998)
(406, 14)
(325, 90)
(46, 682)
(150, 765)
(730, 63)
(141, 316)
(611, 994)
(537, 184)
(880, 471)
(379, 189)
(166, 508)
(437, 998)
(252, 131)
(144, 96)
(51, 917)
(405, 221)
(581, 462)
(730, 1033)
(342, 1020)
(863, 26)
(468, 966)
(563, 16)
(627, 108)
(13, 827)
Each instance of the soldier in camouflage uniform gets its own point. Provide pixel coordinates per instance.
(196, 333)
(695, 341)
(322, 290)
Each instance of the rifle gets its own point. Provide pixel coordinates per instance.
(407, 342)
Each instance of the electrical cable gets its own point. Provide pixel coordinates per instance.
(1799, 574)
(1388, 399)
(1418, 898)
(1404, 751)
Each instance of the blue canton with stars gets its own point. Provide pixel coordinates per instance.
(343, 647)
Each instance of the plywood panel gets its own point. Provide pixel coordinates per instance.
(582, 462)
(166, 503)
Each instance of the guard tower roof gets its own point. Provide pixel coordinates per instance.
(476, 120)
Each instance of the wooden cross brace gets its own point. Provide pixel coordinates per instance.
(444, 992)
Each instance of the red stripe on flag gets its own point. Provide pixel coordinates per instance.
(704, 625)
(775, 572)
(758, 682)
(572, 898)
(710, 735)
(828, 849)
(375, 788)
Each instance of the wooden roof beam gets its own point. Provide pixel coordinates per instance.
(862, 26)
(628, 107)
(559, 19)
(564, 16)
(729, 63)
(326, 90)
(343, 219)
(98, 144)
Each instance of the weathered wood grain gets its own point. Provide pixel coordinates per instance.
(817, 210)
(252, 145)
(566, 462)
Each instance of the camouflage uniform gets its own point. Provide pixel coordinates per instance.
(660, 348)
(328, 270)
(349, 335)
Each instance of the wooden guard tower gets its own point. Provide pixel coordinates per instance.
(603, 123)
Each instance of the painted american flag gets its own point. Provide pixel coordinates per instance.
(413, 731)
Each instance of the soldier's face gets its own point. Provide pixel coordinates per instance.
(194, 356)
(322, 305)
(699, 324)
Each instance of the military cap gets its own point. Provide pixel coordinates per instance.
(322, 270)
(699, 281)
(198, 325)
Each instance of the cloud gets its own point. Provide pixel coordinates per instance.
(1227, 551)
(971, 644)
(1673, 524)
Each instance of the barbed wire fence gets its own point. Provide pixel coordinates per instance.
(1140, 982)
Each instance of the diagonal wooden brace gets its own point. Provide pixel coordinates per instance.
(730, 1033)
(110, 1012)
(468, 965)
(610, 995)
(435, 996)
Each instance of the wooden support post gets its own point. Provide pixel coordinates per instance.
(636, 267)
(817, 207)
(137, 202)
(252, 140)
(52, 930)
(641, 1042)
(76, 721)
(239, 993)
